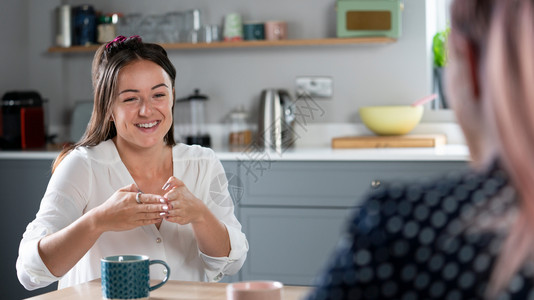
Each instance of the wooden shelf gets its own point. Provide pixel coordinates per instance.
(246, 44)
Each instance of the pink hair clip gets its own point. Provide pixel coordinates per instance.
(120, 39)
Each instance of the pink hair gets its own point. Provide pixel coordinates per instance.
(503, 35)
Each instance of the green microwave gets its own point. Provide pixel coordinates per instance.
(365, 18)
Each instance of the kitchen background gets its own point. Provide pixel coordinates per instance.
(396, 73)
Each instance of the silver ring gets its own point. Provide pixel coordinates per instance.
(138, 197)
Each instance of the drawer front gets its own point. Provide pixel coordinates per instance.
(291, 245)
(330, 184)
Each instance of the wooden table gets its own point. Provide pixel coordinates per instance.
(173, 289)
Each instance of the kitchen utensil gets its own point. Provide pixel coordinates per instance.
(275, 30)
(254, 290)
(192, 118)
(275, 128)
(410, 141)
(424, 100)
(391, 120)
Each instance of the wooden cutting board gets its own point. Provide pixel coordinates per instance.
(401, 141)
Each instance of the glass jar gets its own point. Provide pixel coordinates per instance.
(240, 135)
(105, 30)
(192, 117)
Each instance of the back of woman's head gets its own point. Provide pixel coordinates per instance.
(501, 33)
(108, 61)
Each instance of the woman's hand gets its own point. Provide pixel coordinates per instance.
(61, 250)
(122, 212)
(183, 206)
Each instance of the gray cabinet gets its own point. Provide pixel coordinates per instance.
(293, 212)
(22, 185)
(289, 244)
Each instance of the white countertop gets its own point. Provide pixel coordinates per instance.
(314, 144)
(441, 153)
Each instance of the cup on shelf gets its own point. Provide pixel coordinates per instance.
(205, 34)
(233, 27)
(215, 33)
(275, 30)
(192, 36)
(208, 34)
(253, 31)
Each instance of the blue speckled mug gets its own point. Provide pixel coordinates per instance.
(127, 276)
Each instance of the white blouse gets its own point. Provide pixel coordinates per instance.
(88, 176)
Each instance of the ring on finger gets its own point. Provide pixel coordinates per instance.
(138, 197)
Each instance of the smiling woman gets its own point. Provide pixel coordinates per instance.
(126, 187)
(142, 112)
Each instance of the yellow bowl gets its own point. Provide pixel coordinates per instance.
(391, 120)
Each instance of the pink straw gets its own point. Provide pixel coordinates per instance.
(425, 100)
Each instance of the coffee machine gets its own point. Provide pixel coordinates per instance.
(275, 128)
(22, 119)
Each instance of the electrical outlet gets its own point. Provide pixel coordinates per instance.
(315, 86)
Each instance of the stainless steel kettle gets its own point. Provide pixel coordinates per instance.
(275, 128)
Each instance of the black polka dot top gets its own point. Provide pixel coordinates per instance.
(435, 240)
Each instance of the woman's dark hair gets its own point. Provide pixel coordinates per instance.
(109, 59)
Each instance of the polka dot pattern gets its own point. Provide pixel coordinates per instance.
(125, 280)
(429, 240)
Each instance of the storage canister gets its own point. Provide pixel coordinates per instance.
(84, 25)
(64, 26)
(240, 135)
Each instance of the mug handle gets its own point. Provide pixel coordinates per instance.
(156, 261)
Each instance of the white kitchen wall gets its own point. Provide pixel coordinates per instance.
(395, 73)
(14, 45)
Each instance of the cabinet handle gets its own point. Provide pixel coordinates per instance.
(375, 184)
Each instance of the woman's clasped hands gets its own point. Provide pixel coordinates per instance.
(182, 206)
(122, 211)
(127, 208)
